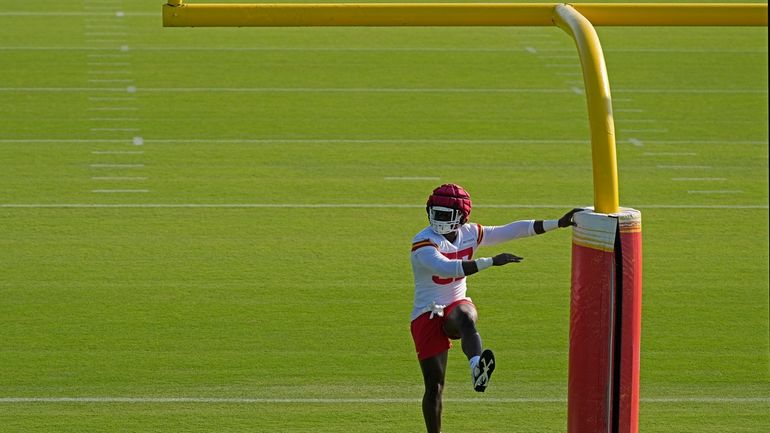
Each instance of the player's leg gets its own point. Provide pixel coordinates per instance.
(433, 373)
(461, 322)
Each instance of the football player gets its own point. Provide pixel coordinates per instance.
(442, 256)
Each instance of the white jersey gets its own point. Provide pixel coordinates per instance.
(439, 278)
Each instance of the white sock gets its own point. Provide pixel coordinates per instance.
(474, 362)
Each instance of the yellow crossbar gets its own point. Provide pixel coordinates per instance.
(681, 14)
(179, 14)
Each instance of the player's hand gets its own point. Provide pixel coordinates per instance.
(566, 220)
(505, 258)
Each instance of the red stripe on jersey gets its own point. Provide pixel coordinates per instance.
(480, 237)
(423, 243)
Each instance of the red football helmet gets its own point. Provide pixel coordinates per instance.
(448, 207)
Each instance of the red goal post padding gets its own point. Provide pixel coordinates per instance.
(605, 323)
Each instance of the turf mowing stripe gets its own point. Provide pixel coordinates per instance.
(215, 400)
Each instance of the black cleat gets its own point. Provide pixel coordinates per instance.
(483, 371)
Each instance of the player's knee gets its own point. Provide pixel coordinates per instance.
(462, 321)
(466, 321)
(433, 390)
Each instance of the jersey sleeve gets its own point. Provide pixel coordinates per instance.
(428, 256)
(493, 235)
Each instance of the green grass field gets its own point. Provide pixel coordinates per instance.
(207, 230)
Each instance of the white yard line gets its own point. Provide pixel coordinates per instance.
(291, 140)
(117, 80)
(361, 141)
(670, 153)
(342, 400)
(114, 129)
(685, 167)
(112, 56)
(643, 131)
(118, 178)
(106, 33)
(338, 206)
(411, 178)
(699, 179)
(116, 165)
(111, 13)
(113, 109)
(360, 89)
(108, 64)
(349, 90)
(111, 72)
(716, 191)
(113, 119)
(108, 18)
(119, 191)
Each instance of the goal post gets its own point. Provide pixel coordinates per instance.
(599, 100)
(606, 286)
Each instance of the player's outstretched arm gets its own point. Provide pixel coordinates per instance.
(494, 235)
(472, 266)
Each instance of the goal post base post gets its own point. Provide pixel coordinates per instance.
(605, 322)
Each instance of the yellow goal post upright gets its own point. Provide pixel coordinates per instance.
(605, 296)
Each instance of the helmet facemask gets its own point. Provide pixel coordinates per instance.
(444, 220)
